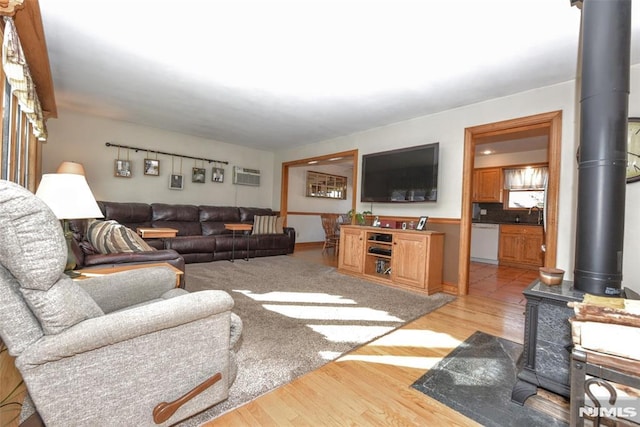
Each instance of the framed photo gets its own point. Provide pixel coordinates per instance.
(152, 167)
(217, 175)
(422, 223)
(122, 168)
(176, 181)
(198, 174)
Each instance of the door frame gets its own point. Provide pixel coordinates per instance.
(553, 122)
(284, 181)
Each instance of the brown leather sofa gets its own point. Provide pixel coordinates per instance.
(201, 237)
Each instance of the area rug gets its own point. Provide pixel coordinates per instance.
(476, 379)
(298, 316)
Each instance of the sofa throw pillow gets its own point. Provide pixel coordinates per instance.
(111, 237)
(280, 225)
(264, 224)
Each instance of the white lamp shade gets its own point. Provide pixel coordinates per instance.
(69, 196)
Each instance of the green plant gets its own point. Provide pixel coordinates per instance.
(359, 217)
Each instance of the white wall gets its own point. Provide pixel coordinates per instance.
(309, 227)
(82, 138)
(448, 128)
(299, 202)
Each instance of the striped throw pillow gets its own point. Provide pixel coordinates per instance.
(111, 237)
(264, 224)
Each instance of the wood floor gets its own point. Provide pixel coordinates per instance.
(370, 386)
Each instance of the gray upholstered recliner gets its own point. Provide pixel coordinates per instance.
(107, 350)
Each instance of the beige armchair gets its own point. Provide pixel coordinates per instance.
(123, 349)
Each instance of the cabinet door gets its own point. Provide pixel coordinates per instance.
(408, 259)
(510, 247)
(521, 245)
(352, 247)
(487, 185)
(532, 249)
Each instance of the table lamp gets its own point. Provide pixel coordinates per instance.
(69, 197)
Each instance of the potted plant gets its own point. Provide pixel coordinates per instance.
(360, 218)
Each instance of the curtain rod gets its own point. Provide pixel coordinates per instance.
(110, 144)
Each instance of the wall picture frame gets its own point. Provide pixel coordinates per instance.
(152, 167)
(122, 168)
(176, 181)
(422, 224)
(217, 174)
(198, 175)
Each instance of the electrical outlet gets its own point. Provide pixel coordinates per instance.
(483, 211)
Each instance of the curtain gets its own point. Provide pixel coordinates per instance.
(526, 178)
(17, 72)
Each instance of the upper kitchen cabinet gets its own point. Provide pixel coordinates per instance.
(487, 185)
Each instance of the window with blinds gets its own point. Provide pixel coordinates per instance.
(525, 187)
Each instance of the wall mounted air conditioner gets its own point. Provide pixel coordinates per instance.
(246, 176)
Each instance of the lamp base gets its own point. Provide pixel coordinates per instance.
(71, 257)
(71, 273)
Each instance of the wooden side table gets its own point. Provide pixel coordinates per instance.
(115, 268)
(156, 233)
(238, 227)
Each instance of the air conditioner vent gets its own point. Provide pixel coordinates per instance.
(246, 176)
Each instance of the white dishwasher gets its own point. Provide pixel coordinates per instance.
(484, 242)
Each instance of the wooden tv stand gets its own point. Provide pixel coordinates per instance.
(407, 259)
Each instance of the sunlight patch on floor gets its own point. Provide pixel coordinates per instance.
(350, 333)
(400, 361)
(329, 355)
(297, 297)
(332, 313)
(417, 338)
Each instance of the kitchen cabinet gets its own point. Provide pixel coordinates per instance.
(521, 246)
(409, 259)
(487, 185)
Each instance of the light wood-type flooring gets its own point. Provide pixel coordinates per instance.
(370, 386)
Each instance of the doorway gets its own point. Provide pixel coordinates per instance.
(350, 156)
(552, 123)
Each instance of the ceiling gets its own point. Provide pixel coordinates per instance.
(513, 142)
(275, 74)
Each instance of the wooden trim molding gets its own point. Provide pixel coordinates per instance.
(284, 182)
(308, 245)
(398, 219)
(552, 121)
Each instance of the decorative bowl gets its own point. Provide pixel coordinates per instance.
(551, 276)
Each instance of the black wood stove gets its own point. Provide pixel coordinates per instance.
(547, 340)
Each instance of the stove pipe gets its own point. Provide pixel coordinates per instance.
(602, 159)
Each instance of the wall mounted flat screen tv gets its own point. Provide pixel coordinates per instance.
(401, 176)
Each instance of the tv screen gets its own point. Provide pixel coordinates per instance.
(401, 176)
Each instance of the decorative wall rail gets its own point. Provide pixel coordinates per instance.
(136, 149)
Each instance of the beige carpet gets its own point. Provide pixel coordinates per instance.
(298, 316)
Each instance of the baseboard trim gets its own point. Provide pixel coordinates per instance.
(308, 245)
